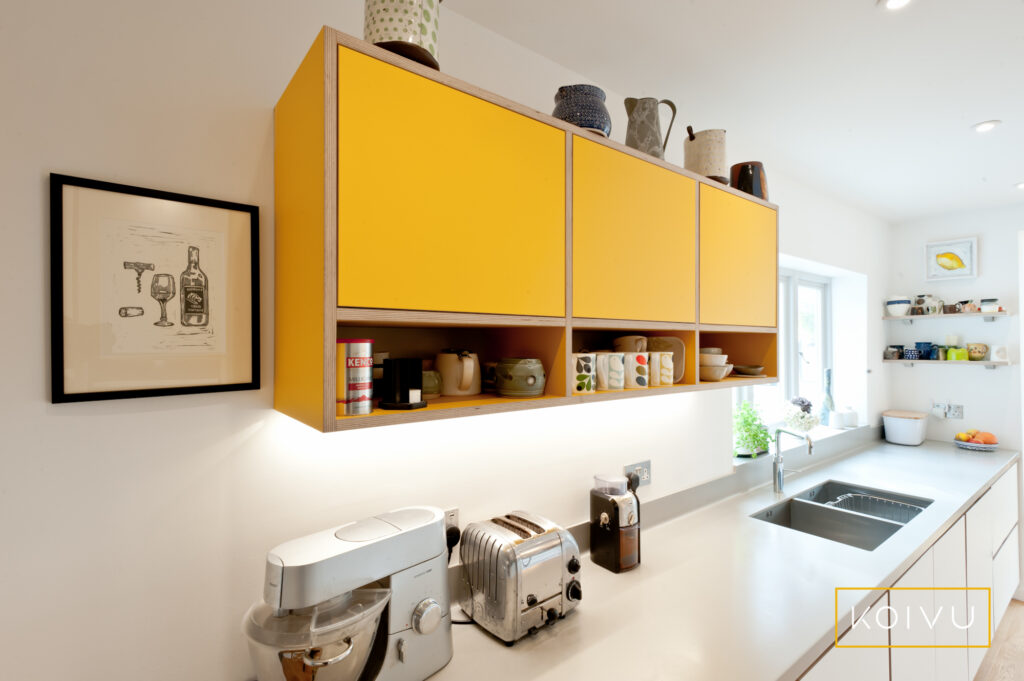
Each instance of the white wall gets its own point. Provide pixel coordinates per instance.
(991, 399)
(134, 531)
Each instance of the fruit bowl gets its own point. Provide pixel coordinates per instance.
(974, 447)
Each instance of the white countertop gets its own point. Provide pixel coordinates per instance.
(720, 595)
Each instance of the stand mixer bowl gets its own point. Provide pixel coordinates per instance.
(327, 642)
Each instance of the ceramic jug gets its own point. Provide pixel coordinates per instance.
(460, 372)
(643, 132)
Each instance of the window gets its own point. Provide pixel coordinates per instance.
(805, 346)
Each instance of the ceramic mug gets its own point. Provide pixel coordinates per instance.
(661, 368)
(636, 370)
(584, 365)
(611, 370)
(957, 354)
(409, 29)
(630, 344)
(460, 372)
(976, 352)
(520, 377)
(999, 353)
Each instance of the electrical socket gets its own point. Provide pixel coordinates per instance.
(955, 411)
(451, 518)
(642, 469)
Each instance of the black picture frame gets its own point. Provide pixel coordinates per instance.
(59, 392)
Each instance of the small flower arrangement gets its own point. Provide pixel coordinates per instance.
(799, 416)
(752, 436)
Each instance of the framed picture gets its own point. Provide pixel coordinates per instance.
(152, 293)
(957, 259)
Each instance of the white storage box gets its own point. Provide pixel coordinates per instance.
(904, 427)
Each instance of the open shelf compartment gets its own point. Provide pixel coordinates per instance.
(750, 348)
(491, 344)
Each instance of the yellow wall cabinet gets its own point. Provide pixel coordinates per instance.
(445, 201)
(738, 260)
(425, 213)
(633, 237)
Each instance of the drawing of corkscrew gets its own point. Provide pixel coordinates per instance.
(139, 268)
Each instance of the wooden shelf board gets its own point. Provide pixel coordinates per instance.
(725, 328)
(454, 407)
(380, 317)
(630, 325)
(957, 362)
(449, 407)
(954, 315)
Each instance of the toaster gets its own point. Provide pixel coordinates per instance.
(522, 571)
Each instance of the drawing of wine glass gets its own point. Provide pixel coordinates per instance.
(163, 290)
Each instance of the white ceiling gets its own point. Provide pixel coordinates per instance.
(873, 106)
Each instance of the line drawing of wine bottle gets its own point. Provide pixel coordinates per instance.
(195, 292)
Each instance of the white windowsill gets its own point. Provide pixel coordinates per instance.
(816, 434)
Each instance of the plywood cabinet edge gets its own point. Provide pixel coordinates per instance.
(306, 194)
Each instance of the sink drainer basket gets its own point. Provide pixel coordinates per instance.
(876, 506)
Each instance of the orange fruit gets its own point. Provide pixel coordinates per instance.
(987, 438)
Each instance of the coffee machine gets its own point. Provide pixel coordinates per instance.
(614, 524)
(366, 601)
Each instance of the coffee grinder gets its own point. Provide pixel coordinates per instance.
(614, 523)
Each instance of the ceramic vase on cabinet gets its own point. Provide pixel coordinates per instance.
(705, 155)
(643, 132)
(405, 27)
(583, 105)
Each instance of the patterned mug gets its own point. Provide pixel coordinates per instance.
(662, 370)
(636, 370)
(584, 365)
(611, 370)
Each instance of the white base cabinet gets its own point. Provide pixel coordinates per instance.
(929, 606)
(858, 664)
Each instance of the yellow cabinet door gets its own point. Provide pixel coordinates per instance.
(633, 237)
(738, 260)
(445, 202)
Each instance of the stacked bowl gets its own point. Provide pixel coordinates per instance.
(713, 364)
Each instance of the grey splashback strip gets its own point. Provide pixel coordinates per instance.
(743, 478)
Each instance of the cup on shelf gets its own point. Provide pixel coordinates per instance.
(976, 352)
(956, 354)
(637, 375)
(584, 371)
(460, 372)
(662, 370)
(611, 370)
(1000, 353)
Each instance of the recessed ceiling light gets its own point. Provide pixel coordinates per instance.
(1020, 185)
(893, 4)
(985, 126)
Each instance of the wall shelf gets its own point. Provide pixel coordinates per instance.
(909, 319)
(983, 363)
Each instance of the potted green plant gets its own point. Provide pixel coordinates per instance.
(751, 434)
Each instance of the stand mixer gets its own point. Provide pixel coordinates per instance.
(366, 601)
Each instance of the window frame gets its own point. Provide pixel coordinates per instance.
(790, 282)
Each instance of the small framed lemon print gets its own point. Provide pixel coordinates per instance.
(957, 259)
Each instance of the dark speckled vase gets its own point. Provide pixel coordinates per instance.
(583, 105)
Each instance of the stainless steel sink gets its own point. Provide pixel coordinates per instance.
(851, 514)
